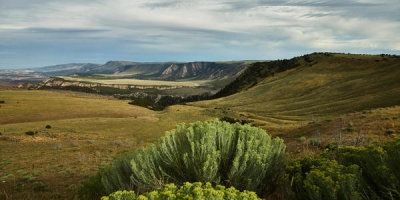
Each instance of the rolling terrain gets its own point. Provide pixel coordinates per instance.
(327, 98)
(312, 87)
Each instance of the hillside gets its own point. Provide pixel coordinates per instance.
(310, 87)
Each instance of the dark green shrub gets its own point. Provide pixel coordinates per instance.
(332, 146)
(233, 120)
(218, 152)
(48, 126)
(92, 188)
(187, 191)
(393, 154)
(39, 186)
(30, 133)
(378, 179)
(390, 131)
(117, 176)
(315, 178)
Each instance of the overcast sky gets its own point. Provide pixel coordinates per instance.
(45, 32)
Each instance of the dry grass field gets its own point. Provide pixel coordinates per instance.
(87, 131)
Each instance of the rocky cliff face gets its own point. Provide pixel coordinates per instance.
(201, 70)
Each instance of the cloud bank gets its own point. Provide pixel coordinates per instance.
(44, 32)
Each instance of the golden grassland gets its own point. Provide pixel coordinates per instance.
(130, 81)
(87, 131)
(95, 129)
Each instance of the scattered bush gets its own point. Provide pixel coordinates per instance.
(315, 141)
(39, 186)
(187, 191)
(93, 188)
(350, 124)
(332, 146)
(48, 127)
(75, 144)
(2, 101)
(301, 139)
(31, 133)
(218, 152)
(234, 120)
(390, 131)
(378, 169)
(57, 146)
(320, 178)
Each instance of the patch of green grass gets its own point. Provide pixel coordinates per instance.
(301, 139)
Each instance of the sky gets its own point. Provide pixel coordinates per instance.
(36, 33)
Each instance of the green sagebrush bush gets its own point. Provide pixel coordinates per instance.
(317, 178)
(348, 173)
(380, 166)
(187, 191)
(213, 151)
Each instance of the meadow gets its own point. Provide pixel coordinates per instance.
(87, 132)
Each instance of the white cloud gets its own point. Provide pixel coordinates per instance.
(208, 29)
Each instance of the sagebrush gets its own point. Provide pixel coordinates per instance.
(187, 191)
(213, 151)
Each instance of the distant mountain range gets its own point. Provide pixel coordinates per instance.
(152, 71)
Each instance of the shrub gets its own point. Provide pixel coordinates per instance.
(92, 188)
(48, 126)
(2, 101)
(187, 191)
(390, 131)
(378, 169)
(213, 151)
(315, 141)
(350, 124)
(301, 139)
(39, 186)
(393, 151)
(30, 133)
(117, 176)
(320, 178)
(234, 120)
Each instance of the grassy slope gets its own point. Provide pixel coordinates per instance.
(87, 130)
(331, 86)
